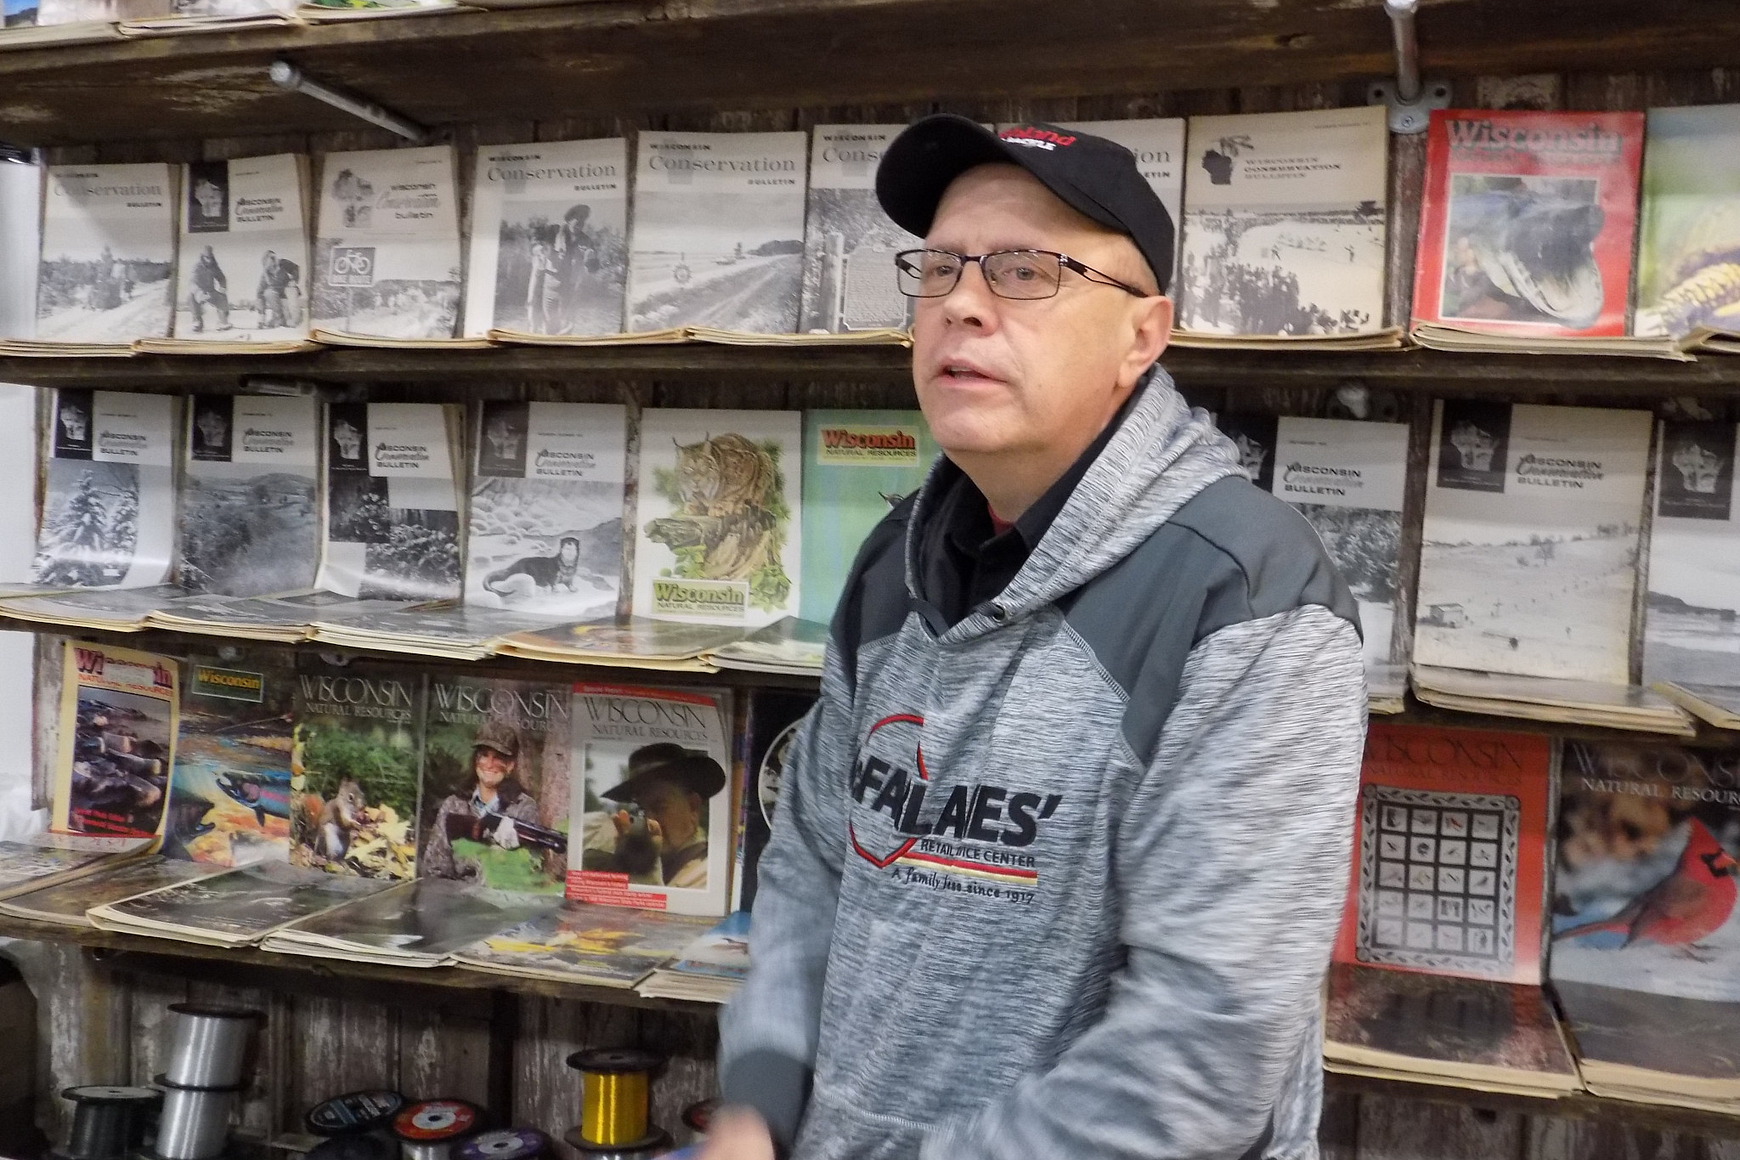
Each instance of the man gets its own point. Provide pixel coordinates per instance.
(666, 844)
(1061, 850)
(494, 794)
(275, 293)
(210, 288)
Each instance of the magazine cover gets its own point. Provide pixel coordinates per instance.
(651, 818)
(1692, 625)
(423, 921)
(857, 465)
(578, 943)
(1689, 227)
(718, 231)
(52, 858)
(1347, 478)
(1158, 145)
(393, 498)
(496, 756)
(772, 720)
(65, 903)
(549, 238)
(1450, 859)
(354, 768)
(1657, 1047)
(108, 250)
(717, 532)
(1284, 223)
(1527, 221)
(18, 13)
(546, 508)
(108, 506)
(242, 260)
(250, 524)
(1529, 563)
(386, 254)
(1644, 887)
(229, 798)
(233, 908)
(118, 712)
(849, 243)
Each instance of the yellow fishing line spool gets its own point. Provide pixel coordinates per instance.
(615, 1099)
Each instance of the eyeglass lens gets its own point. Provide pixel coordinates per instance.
(1010, 273)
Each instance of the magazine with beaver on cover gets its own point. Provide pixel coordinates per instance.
(849, 242)
(549, 239)
(718, 232)
(605, 946)
(1689, 222)
(393, 498)
(250, 515)
(1284, 224)
(108, 254)
(118, 719)
(717, 531)
(651, 822)
(1529, 561)
(386, 252)
(354, 768)
(546, 508)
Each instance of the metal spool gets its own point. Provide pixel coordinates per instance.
(107, 1121)
(209, 1045)
(428, 1130)
(615, 1087)
(195, 1124)
(353, 1112)
(504, 1144)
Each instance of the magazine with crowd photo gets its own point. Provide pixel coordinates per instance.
(108, 507)
(386, 252)
(718, 232)
(118, 715)
(1689, 229)
(549, 239)
(108, 254)
(651, 822)
(1284, 224)
(250, 515)
(65, 902)
(1529, 563)
(496, 756)
(229, 795)
(580, 943)
(547, 488)
(413, 924)
(393, 498)
(235, 908)
(849, 242)
(355, 768)
(717, 532)
(1157, 143)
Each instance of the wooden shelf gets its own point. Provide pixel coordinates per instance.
(608, 58)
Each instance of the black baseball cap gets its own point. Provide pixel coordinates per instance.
(1096, 177)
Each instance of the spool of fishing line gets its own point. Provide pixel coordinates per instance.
(209, 1045)
(428, 1131)
(615, 1086)
(107, 1120)
(195, 1124)
(357, 1146)
(504, 1144)
(353, 1112)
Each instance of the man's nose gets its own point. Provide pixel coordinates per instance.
(971, 302)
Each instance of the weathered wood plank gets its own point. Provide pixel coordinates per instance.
(1391, 1129)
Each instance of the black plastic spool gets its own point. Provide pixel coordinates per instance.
(354, 1112)
(108, 1121)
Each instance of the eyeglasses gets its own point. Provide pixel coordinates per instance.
(1018, 274)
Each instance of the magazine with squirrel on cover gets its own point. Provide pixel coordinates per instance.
(1691, 635)
(108, 254)
(118, 719)
(242, 257)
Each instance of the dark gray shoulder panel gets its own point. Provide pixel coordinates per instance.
(874, 602)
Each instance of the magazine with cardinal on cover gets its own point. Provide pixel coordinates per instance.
(118, 717)
(108, 253)
(546, 509)
(1691, 635)
(849, 242)
(1688, 276)
(242, 259)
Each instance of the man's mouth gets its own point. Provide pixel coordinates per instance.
(964, 372)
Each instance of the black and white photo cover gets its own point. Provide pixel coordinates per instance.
(549, 239)
(108, 253)
(108, 511)
(242, 258)
(1157, 143)
(1692, 620)
(545, 531)
(849, 243)
(1473, 444)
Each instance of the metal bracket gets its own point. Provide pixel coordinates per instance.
(1409, 102)
(288, 76)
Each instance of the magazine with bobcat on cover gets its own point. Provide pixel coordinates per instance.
(118, 722)
(242, 258)
(108, 254)
(1691, 636)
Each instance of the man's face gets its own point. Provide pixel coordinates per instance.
(997, 376)
(490, 765)
(674, 808)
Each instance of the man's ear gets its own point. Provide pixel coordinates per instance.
(1152, 330)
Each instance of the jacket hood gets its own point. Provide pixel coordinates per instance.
(1163, 454)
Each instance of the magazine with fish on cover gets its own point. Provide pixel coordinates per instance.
(393, 499)
(717, 531)
(576, 942)
(108, 508)
(1529, 562)
(229, 797)
(718, 232)
(108, 254)
(1284, 224)
(413, 924)
(849, 242)
(65, 902)
(1688, 249)
(496, 760)
(549, 239)
(118, 719)
(1527, 222)
(250, 516)
(354, 768)
(651, 822)
(235, 908)
(386, 253)
(545, 533)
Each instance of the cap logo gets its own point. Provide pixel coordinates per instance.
(1036, 138)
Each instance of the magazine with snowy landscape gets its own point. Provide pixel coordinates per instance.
(108, 253)
(549, 239)
(387, 253)
(1284, 224)
(718, 232)
(392, 500)
(1529, 562)
(849, 242)
(547, 487)
(118, 718)
(108, 508)
(250, 515)
(717, 530)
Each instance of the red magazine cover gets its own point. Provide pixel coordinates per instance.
(1449, 857)
(1527, 221)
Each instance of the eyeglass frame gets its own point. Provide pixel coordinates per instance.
(1064, 262)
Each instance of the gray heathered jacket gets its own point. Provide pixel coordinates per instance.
(1060, 882)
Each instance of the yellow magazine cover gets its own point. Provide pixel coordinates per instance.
(118, 716)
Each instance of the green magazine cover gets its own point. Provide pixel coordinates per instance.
(1688, 255)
